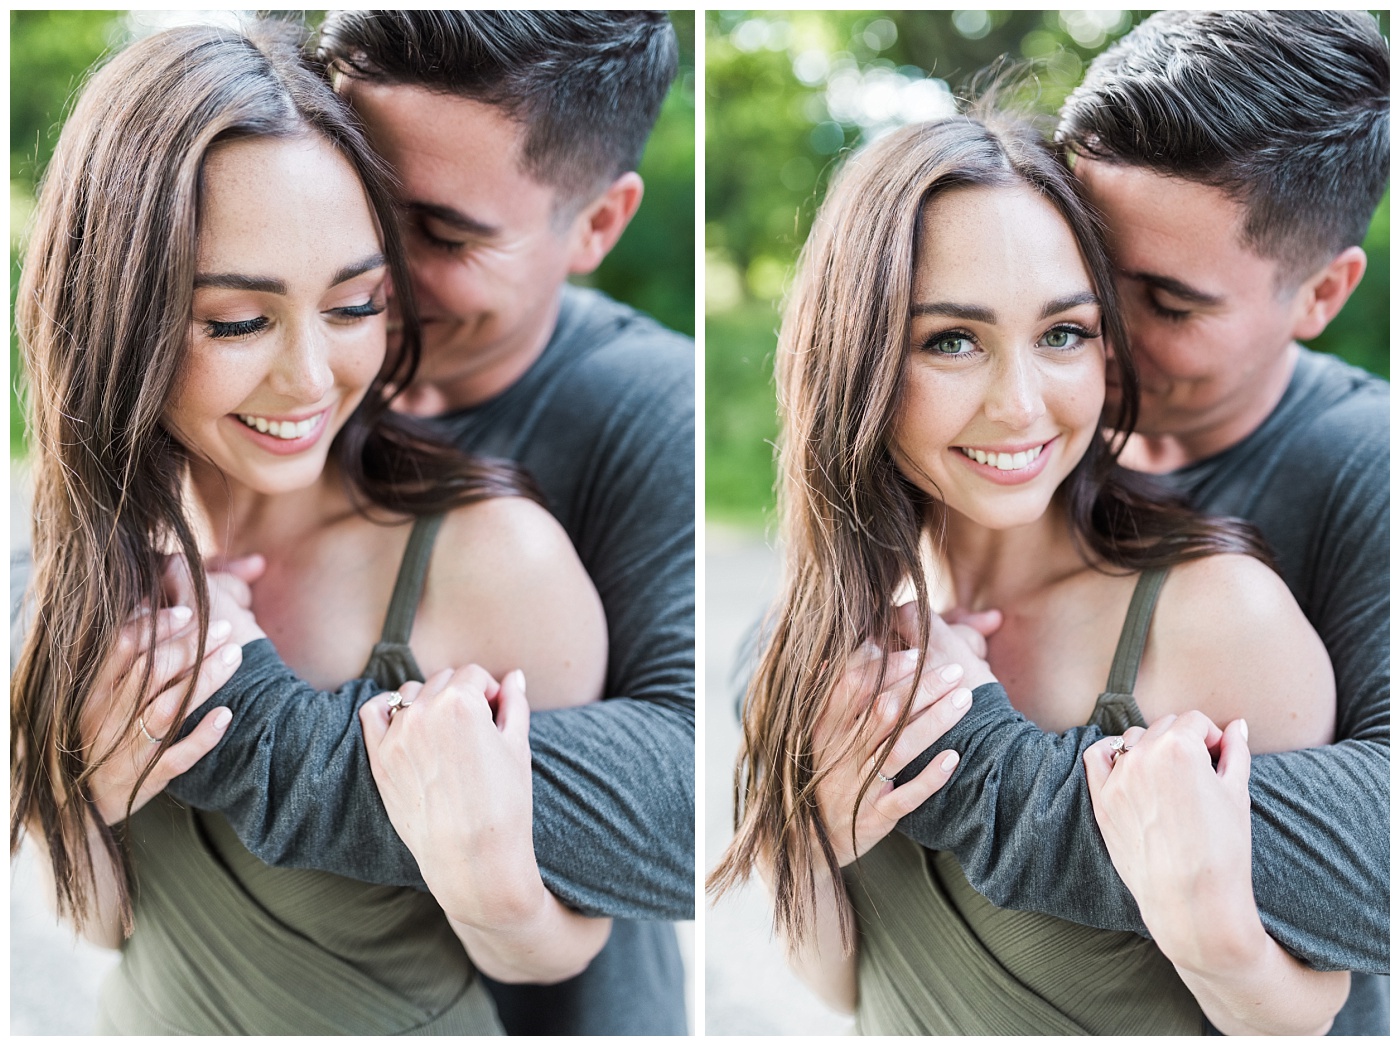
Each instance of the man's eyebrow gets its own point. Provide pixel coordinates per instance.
(1175, 288)
(349, 272)
(955, 309)
(239, 282)
(453, 217)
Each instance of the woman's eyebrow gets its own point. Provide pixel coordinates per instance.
(239, 282)
(271, 285)
(1069, 301)
(349, 272)
(954, 309)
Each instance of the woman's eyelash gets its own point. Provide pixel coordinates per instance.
(235, 328)
(369, 308)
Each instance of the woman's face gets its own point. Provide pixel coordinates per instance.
(1004, 380)
(288, 324)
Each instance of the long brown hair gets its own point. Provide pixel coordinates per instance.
(103, 314)
(851, 523)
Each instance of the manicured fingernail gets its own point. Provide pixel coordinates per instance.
(222, 718)
(949, 761)
(181, 615)
(950, 673)
(220, 629)
(869, 649)
(519, 679)
(962, 697)
(231, 654)
(1244, 730)
(907, 657)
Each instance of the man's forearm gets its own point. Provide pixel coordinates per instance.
(611, 791)
(1018, 817)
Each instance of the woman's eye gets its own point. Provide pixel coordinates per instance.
(234, 328)
(950, 345)
(357, 312)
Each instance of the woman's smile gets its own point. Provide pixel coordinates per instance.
(1008, 464)
(283, 435)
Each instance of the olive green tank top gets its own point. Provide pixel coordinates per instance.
(226, 945)
(938, 958)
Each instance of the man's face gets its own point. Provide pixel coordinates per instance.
(487, 254)
(1209, 324)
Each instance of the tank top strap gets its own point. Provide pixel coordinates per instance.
(1132, 641)
(1116, 708)
(391, 662)
(408, 586)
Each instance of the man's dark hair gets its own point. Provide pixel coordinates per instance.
(586, 85)
(1288, 112)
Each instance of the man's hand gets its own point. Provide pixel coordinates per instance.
(124, 747)
(1178, 831)
(453, 768)
(853, 730)
(230, 592)
(957, 638)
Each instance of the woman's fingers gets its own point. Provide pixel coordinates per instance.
(183, 754)
(513, 713)
(936, 709)
(159, 714)
(906, 798)
(1233, 765)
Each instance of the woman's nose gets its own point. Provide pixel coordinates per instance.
(1015, 399)
(303, 370)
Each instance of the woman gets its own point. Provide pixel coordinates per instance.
(202, 312)
(942, 372)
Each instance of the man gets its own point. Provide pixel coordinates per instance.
(515, 137)
(1237, 158)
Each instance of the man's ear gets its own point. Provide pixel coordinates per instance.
(601, 223)
(1323, 294)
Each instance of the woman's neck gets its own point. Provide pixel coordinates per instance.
(232, 520)
(988, 568)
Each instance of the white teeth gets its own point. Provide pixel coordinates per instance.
(281, 429)
(1003, 461)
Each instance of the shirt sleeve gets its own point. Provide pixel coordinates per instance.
(1018, 817)
(614, 800)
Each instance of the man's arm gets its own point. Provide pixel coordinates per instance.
(1019, 819)
(613, 782)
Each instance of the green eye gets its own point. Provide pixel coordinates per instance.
(951, 345)
(1058, 339)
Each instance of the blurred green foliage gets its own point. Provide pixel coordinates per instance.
(51, 53)
(786, 94)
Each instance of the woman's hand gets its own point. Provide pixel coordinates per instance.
(1173, 808)
(452, 763)
(126, 748)
(453, 770)
(1177, 828)
(852, 730)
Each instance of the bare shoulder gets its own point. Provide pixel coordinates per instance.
(1228, 638)
(506, 590)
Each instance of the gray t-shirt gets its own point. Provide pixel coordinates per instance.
(605, 422)
(1315, 477)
